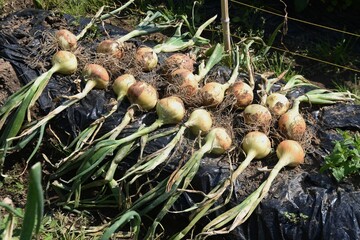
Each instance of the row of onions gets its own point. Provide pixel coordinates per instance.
(93, 160)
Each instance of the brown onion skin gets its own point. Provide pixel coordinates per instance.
(212, 94)
(292, 151)
(146, 58)
(170, 109)
(222, 141)
(143, 94)
(185, 80)
(277, 103)
(257, 115)
(98, 74)
(110, 47)
(66, 40)
(176, 61)
(292, 125)
(243, 94)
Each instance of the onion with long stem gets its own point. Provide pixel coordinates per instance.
(95, 76)
(217, 141)
(148, 25)
(120, 87)
(256, 145)
(68, 41)
(292, 124)
(290, 153)
(63, 62)
(199, 122)
(213, 93)
(147, 58)
(170, 110)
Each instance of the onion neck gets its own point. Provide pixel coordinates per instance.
(249, 157)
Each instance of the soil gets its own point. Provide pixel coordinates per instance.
(9, 82)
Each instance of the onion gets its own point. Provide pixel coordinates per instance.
(143, 94)
(292, 124)
(256, 145)
(170, 110)
(221, 140)
(64, 62)
(277, 103)
(146, 58)
(112, 47)
(257, 115)
(95, 76)
(290, 153)
(176, 61)
(66, 40)
(199, 122)
(243, 94)
(122, 84)
(185, 80)
(213, 93)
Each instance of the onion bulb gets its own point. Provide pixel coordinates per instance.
(122, 84)
(143, 94)
(96, 74)
(185, 80)
(292, 124)
(176, 61)
(170, 110)
(213, 93)
(64, 62)
(256, 145)
(66, 40)
(146, 58)
(243, 94)
(277, 103)
(291, 153)
(200, 121)
(257, 115)
(221, 140)
(111, 47)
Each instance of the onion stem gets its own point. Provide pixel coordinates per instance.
(179, 42)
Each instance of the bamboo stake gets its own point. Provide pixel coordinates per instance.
(225, 24)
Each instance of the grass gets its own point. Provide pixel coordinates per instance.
(76, 8)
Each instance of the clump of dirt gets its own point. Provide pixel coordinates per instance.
(9, 82)
(15, 5)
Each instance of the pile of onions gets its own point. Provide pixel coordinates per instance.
(187, 82)
(217, 141)
(95, 76)
(292, 123)
(256, 145)
(63, 62)
(258, 116)
(199, 123)
(290, 153)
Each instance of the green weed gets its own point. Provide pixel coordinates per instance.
(344, 160)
